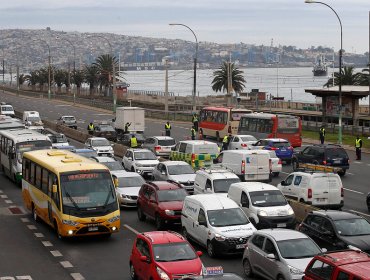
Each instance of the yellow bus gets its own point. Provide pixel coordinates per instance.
(72, 194)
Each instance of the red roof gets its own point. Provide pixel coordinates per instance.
(162, 237)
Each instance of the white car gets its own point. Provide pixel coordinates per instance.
(101, 145)
(69, 121)
(241, 142)
(110, 162)
(141, 161)
(7, 110)
(276, 164)
(129, 184)
(178, 171)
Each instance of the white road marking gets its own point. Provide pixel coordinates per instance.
(31, 227)
(359, 213)
(8, 201)
(56, 253)
(130, 228)
(47, 243)
(77, 276)
(350, 173)
(357, 162)
(1, 191)
(26, 277)
(3, 196)
(25, 220)
(63, 105)
(285, 172)
(353, 191)
(66, 264)
(39, 234)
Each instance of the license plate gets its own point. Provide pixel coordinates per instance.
(283, 150)
(281, 225)
(336, 161)
(241, 246)
(320, 199)
(92, 228)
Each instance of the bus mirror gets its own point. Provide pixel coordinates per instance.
(55, 189)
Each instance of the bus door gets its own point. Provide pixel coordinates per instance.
(51, 195)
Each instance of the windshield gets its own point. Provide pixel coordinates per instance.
(298, 248)
(100, 142)
(227, 217)
(248, 138)
(31, 146)
(144, 156)
(223, 185)
(113, 165)
(352, 227)
(167, 142)
(86, 190)
(33, 119)
(69, 118)
(128, 182)
(58, 139)
(106, 128)
(170, 252)
(172, 195)
(87, 154)
(288, 125)
(336, 153)
(280, 145)
(180, 169)
(267, 198)
(7, 108)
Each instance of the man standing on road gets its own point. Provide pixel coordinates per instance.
(225, 142)
(127, 125)
(358, 146)
(322, 134)
(195, 121)
(193, 132)
(133, 141)
(90, 128)
(167, 128)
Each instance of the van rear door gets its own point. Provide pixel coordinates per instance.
(320, 189)
(251, 167)
(335, 189)
(263, 169)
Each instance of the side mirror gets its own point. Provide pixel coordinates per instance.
(55, 189)
(271, 256)
(208, 187)
(203, 223)
(199, 253)
(245, 204)
(215, 160)
(328, 233)
(282, 183)
(144, 258)
(324, 250)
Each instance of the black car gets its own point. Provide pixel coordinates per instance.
(105, 130)
(327, 154)
(126, 139)
(337, 230)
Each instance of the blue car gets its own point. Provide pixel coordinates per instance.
(282, 148)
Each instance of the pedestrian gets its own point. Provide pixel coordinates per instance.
(195, 121)
(358, 146)
(322, 134)
(127, 125)
(90, 128)
(133, 141)
(193, 132)
(167, 128)
(225, 142)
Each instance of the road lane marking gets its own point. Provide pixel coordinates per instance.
(353, 191)
(350, 173)
(357, 162)
(47, 243)
(39, 234)
(3, 196)
(31, 227)
(56, 253)
(25, 220)
(63, 105)
(8, 201)
(285, 172)
(132, 229)
(358, 212)
(77, 276)
(66, 264)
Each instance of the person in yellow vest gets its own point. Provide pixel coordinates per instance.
(167, 128)
(193, 132)
(225, 142)
(133, 142)
(358, 146)
(195, 121)
(322, 134)
(90, 128)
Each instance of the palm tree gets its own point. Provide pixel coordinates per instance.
(365, 77)
(33, 79)
(59, 78)
(104, 64)
(21, 79)
(220, 80)
(78, 77)
(92, 76)
(348, 77)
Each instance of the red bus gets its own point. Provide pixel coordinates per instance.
(264, 125)
(220, 121)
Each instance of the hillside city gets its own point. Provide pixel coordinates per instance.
(29, 48)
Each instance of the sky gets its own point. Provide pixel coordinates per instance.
(285, 22)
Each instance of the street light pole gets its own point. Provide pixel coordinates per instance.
(3, 68)
(195, 64)
(340, 67)
(74, 66)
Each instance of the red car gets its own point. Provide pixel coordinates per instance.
(163, 255)
(161, 201)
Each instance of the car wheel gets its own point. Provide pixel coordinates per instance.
(132, 272)
(140, 214)
(34, 214)
(159, 222)
(280, 277)
(276, 174)
(247, 268)
(295, 165)
(211, 249)
(342, 173)
(315, 162)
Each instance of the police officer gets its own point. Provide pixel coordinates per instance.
(127, 125)
(167, 128)
(133, 141)
(90, 128)
(225, 142)
(358, 146)
(193, 132)
(322, 134)
(195, 121)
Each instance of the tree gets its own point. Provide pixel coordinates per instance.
(348, 77)
(21, 79)
(365, 77)
(78, 77)
(92, 76)
(59, 78)
(220, 80)
(33, 79)
(104, 64)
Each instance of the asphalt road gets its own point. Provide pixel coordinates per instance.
(30, 250)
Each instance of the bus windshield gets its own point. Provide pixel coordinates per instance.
(87, 190)
(27, 146)
(288, 125)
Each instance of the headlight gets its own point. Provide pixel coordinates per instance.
(262, 213)
(169, 212)
(290, 211)
(95, 149)
(295, 271)
(113, 219)
(139, 165)
(70, 223)
(220, 237)
(163, 275)
(124, 196)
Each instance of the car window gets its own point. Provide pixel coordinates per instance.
(244, 199)
(307, 151)
(152, 195)
(143, 247)
(321, 270)
(236, 139)
(289, 180)
(336, 153)
(342, 276)
(182, 147)
(316, 222)
(297, 180)
(258, 240)
(280, 145)
(326, 226)
(269, 247)
(201, 216)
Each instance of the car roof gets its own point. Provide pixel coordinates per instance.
(280, 234)
(326, 146)
(350, 259)
(162, 137)
(125, 174)
(276, 140)
(217, 173)
(105, 159)
(140, 150)
(248, 152)
(164, 185)
(337, 215)
(97, 138)
(163, 237)
(213, 201)
(314, 173)
(173, 162)
(198, 142)
(255, 186)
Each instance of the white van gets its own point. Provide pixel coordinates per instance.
(32, 120)
(7, 110)
(217, 223)
(249, 165)
(214, 180)
(324, 190)
(264, 204)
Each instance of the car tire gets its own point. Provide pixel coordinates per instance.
(140, 214)
(159, 224)
(211, 249)
(132, 272)
(280, 277)
(276, 174)
(342, 173)
(247, 268)
(295, 165)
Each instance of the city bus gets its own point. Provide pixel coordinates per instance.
(264, 125)
(13, 143)
(220, 121)
(72, 194)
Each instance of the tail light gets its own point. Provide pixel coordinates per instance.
(192, 158)
(341, 192)
(273, 148)
(157, 148)
(244, 145)
(229, 129)
(324, 162)
(243, 167)
(309, 193)
(290, 148)
(280, 161)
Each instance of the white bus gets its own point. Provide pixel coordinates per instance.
(13, 143)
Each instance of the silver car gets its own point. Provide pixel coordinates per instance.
(159, 145)
(278, 254)
(129, 184)
(241, 142)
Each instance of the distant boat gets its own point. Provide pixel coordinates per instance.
(320, 68)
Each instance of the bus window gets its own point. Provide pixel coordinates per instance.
(44, 181)
(26, 170)
(252, 125)
(221, 117)
(54, 196)
(32, 174)
(38, 177)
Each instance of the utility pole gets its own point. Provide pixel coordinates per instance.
(166, 88)
(17, 71)
(3, 69)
